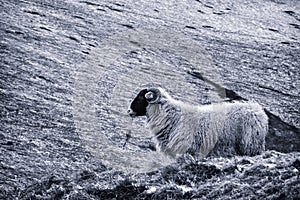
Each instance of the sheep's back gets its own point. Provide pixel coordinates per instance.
(225, 129)
(242, 128)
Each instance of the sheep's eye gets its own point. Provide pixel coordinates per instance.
(141, 98)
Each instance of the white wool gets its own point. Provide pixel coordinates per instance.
(215, 129)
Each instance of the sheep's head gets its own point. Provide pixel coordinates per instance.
(145, 97)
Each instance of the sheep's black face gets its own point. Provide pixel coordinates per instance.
(139, 105)
(145, 97)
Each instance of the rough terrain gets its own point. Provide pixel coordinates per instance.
(68, 70)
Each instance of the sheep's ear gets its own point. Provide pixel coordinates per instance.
(152, 97)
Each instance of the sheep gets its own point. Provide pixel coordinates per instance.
(218, 129)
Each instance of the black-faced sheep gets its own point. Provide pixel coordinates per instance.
(224, 129)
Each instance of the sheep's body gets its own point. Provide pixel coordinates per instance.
(223, 129)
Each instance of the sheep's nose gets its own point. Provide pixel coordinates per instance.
(131, 113)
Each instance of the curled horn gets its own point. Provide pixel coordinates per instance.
(153, 95)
